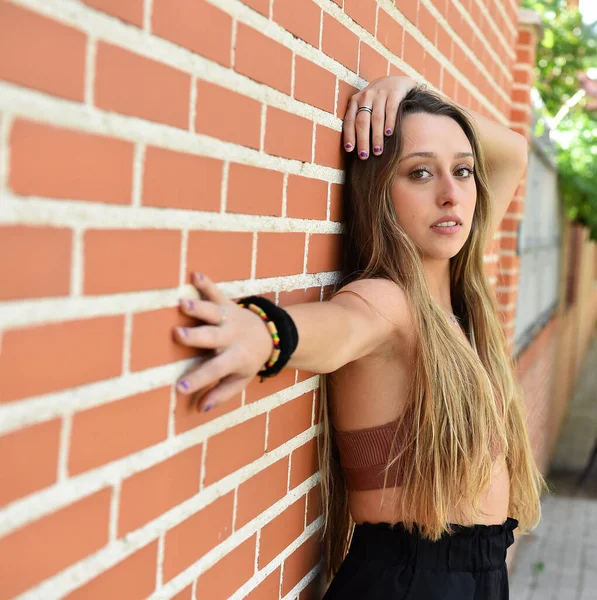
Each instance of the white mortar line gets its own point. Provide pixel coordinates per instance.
(304, 582)
(37, 505)
(114, 511)
(147, 14)
(127, 340)
(260, 576)
(57, 112)
(64, 448)
(285, 195)
(23, 313)
(83, 571)
(81, 214)
(253, 256)
(77, 273)
(193, 104)
(137, 179)
(182, 276)
(159, 572)
(90, 56)
(6, 119)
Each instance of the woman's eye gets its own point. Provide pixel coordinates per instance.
(418, 174)
(464, 172)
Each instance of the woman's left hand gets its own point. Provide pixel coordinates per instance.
(383, 96)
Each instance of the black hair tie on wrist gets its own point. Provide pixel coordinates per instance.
(287, 332)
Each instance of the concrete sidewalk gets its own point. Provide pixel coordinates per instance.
(558, 561)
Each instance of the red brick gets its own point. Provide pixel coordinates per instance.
(288, 135)
(306, 198)
(111, 431)
(427, 23)
(261, 6)
(289, 420)
(314, 85)
(34, 262)
(525, 37)
(133, 578)
(300, 562)
(372, 64)
(39, 550)
(190, 540)
(41, 53)
(131, 11)
(345, 93)
(314, 506)
(153, 340)
(187, 416)
(179, 180)
(196, 25)
(263, 59)
(413, 53)
(268, 588)
(29, 460)
(390, 33)
(186, 594)
(299, 296)
(226, 115)
(280, 254)
(281, 532)
(146, 495)
(301, 19)
(519, 116)
(229, 573)
(432, 70)
(222, 255)
(362, 12)
(336, 202)
(449, 85)
(409, 9)
(256, 390)
(340, 43)
(328, 147)
(60, 365)
(324, 253)
(134, 85)
(444, 42)
(261, 491)
(66, 164)
(244, 178)
(249, 435)
(304, 463)
(128, 260)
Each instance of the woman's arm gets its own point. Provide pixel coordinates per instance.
(505, 151)
(331, 334)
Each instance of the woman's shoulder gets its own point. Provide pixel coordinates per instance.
(382, 297)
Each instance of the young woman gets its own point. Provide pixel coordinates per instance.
(425, 461)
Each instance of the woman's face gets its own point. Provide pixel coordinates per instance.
(434, 182)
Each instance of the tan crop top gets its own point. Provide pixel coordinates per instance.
(364, 454)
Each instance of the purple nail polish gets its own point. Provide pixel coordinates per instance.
(348, 146)
(183, 385)
(190, 304)
(183, 331)
(377, 149)
(207, 407)
(363, 154)
(388, 132)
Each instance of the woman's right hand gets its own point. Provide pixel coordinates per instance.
(239, 338)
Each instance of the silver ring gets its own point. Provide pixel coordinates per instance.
(223, 315)
(367, 108)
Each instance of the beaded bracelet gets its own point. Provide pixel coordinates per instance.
(282, 329)
(271, 326)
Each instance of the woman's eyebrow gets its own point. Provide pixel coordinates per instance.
(434, 155)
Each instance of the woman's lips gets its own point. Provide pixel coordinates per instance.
(447, 230)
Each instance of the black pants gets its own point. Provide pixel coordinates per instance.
(385, 563)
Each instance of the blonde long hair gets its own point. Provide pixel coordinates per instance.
(461, 402)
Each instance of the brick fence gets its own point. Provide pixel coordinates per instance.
(139, 141)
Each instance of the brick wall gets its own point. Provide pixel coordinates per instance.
(145, 139)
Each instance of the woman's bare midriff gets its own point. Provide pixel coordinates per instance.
(373, 391)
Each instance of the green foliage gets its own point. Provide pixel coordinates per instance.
(568, 48)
